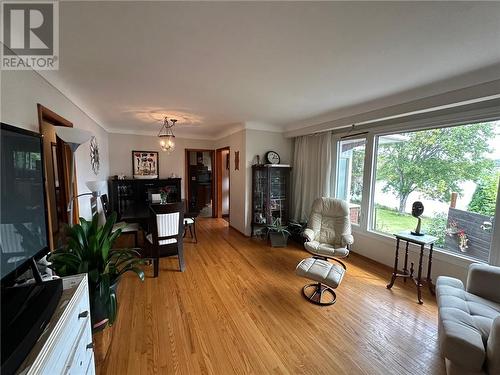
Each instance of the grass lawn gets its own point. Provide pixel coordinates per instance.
(392, 221)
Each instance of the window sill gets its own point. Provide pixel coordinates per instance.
(455, 259)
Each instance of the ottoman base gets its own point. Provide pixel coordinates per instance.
(327, 277)
(319, 294)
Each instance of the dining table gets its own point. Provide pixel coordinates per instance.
(140, 212)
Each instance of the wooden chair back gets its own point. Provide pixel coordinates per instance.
(167, 223)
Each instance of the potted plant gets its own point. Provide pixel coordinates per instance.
(89, 250)
(278, 234)
(297, 231)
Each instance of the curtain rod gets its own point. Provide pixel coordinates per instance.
(353, 135)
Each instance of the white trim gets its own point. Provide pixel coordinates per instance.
(444, 119)
(417, 123)
(471, 96)
(367, 174)
(366, 226)
(495, 240)
(373, 182)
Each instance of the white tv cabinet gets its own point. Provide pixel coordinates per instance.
(65, 346)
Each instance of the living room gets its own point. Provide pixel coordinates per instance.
(289, 187)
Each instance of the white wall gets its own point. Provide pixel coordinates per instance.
(382, 249)
(22, 90)
(20, 93)
(237, 180)
(122, 145)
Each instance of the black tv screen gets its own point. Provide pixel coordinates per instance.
(23, 221)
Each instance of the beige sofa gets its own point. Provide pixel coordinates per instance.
(469, 321)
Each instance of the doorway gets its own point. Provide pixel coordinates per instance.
(222, 205)
(200, 182)
(57, 161)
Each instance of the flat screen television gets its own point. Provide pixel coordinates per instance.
(23, 214)
(27, 308)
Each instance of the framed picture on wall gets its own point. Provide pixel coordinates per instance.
(145, 164)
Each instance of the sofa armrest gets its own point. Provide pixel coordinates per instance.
(347, 239)
(493, 348)
(309, 234)
(483, 280)
(461, 342)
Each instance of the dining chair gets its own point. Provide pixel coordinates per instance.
(190, 224)
(189, 218)
(127, 228)
(166, 237)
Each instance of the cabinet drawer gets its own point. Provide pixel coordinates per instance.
(64, 343)
(91, 365)
(79, 362)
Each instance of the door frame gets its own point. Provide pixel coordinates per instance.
(219, 165)
(187, 184)
(46, 115)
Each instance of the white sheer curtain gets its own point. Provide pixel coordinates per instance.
(312, 172)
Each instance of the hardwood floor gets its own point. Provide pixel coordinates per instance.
(238, 309)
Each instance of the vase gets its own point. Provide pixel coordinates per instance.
(100, 312)
(278, 239)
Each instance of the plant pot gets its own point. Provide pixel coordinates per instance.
(100, 312)
(278, 239)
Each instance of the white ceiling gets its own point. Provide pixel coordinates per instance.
(226, 63)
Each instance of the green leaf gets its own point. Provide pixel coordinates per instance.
(105, 250)
(112, 308)
(89, 250)
(139, 272)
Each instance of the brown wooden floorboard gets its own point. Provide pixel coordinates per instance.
(238, 309)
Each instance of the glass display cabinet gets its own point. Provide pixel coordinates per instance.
(270, 195)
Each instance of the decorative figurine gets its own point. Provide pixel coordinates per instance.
(417, 210)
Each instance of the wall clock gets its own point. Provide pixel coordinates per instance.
(272, 157)
(94, 155)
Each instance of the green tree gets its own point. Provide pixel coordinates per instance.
(435, 161)
(484, 198)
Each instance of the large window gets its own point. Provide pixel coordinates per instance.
(350, 170)
(453, 171)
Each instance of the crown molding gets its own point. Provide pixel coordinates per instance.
(465, 96)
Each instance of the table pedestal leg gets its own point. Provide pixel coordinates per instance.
(395, 271)
(429, 267)
(405, 270)
(419, 276)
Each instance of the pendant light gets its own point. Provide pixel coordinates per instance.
(166, 135)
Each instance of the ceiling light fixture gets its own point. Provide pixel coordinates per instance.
(166, 135)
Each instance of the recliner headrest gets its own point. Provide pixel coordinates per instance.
(330, 207)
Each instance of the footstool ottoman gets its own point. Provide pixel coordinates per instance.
(328, 277)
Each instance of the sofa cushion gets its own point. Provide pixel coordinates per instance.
(322, 271)
(465, 326)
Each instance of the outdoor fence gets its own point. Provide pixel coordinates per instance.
(477, 234)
